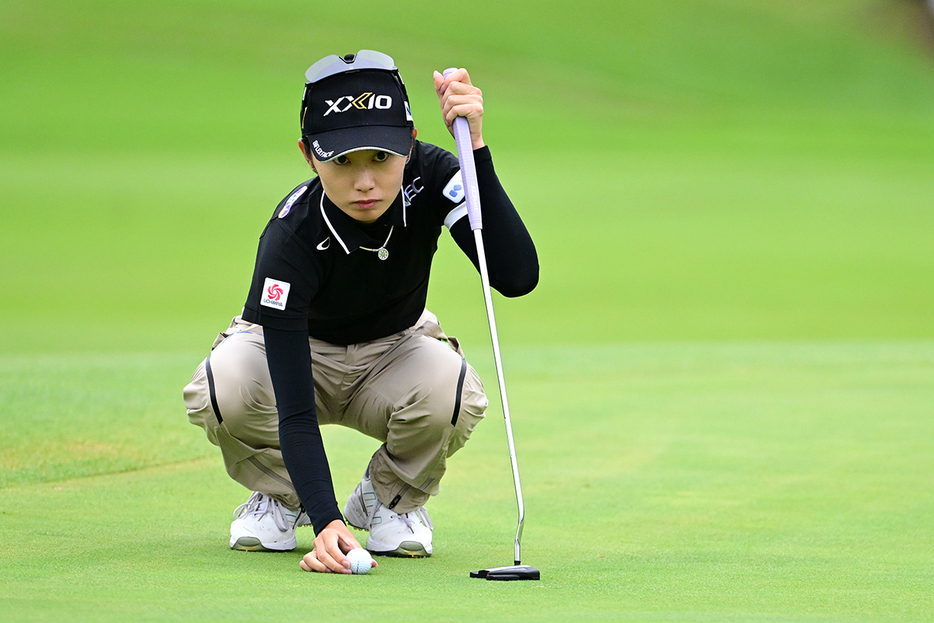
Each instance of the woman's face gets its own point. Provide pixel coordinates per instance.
(363, 184)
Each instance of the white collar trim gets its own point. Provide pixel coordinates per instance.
(331, 227)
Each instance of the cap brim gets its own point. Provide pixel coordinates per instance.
(329, 145)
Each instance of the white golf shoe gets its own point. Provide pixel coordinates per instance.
(391, 533)
(265, 524)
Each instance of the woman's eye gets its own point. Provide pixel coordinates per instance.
(381, 156)
(341, 160)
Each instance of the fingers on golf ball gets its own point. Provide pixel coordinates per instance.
(360, 561)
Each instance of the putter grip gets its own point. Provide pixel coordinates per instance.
(468, 168)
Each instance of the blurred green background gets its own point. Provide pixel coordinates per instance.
(721, 388)
(699, 170)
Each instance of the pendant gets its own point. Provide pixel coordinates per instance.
(382, 253)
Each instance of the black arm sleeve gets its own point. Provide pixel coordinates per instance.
(289, 361)
(510, 253)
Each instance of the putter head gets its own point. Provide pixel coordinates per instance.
(514, 572)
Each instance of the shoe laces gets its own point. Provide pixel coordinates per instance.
(259, 505)
(425, 517)
(420, 514)
(409, 519)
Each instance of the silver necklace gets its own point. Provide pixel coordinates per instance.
(382, 252)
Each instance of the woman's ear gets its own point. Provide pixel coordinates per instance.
(412, 145)
(303, 148)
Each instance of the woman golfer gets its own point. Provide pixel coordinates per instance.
(335, 331)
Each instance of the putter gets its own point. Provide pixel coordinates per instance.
(518, 571)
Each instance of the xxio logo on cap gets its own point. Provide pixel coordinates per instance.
(362, 102)
(275, 293)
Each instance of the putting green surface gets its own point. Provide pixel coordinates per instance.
(677, 482)
(721, 388)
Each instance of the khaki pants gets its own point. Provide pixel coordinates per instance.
(413, 391)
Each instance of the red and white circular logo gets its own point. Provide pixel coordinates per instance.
(275, 293)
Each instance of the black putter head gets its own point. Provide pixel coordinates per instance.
(514, 572)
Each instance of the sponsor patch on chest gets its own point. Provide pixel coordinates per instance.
(275, 293)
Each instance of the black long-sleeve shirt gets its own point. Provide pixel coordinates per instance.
(317, 275)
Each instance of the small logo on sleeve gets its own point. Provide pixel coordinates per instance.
(275, 293)
(284, 212)
(455, 188)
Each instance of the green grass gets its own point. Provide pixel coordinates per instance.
(744, 482)
(721, 388)
(705, 170)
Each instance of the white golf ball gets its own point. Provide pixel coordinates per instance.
(360, 561)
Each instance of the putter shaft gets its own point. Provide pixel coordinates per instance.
(461, 130)
(501, 380)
